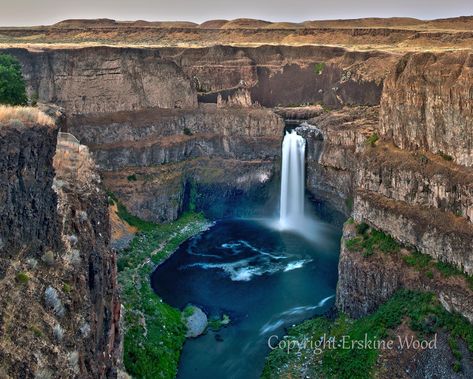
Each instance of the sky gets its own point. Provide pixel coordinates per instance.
(44, 12)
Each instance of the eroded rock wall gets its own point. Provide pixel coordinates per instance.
(27, 201)
(153, 159)
(427, 103)
(105, 79)
(59, 308)
(366, 282)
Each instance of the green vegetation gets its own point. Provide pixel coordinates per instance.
(132, 178)
(48, 258)
(423, 159)
(319, 68)
(372, 139)
(66, 288)
(12, 84)
(187, 132)
(216, 323)
(22, 277)
(418, 260)
(130, 219)
(445, 156)
(422, 311)
(36, 331)
(192, 196)
(369, 240)
(154, 331)
(188, 311)
(426, 264)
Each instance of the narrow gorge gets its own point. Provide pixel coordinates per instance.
(142, 200)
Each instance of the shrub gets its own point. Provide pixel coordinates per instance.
(66, 288)
(73, 360)
(445, 156)
(36, 331)
(22, 277)
(216, 324)
(12, 84)
(187, 132)
(48, 258)
(370, 240)
(362, 228)
(319, 68)
(188, 311)
(133, 220)
(43, 373)
(15, 123)
(423, 159)
(132, 178)
(53, 302)
(85, 330)
(418, 260)
(372, 139)
(73, 257)
(447, 269)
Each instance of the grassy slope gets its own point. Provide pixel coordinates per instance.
(422, 310)
(154, 332)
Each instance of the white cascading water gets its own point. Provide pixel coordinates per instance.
(291, 212)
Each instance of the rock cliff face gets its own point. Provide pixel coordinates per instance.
(404, 184)
(286, 75)
(365, 282)
(59, 307)
(105, 79)
(427, 103)
(27, 200)
(153, 160)
(335, 141)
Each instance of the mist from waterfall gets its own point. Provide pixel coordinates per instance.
(292, 180)
(292, 216)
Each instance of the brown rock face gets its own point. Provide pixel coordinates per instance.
(427, 103)
(105, 79)
(59, 308)
(27, 200)
(151, 159)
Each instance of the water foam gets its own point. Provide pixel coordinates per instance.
(285, 317)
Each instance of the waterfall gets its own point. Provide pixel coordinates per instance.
(292, 181)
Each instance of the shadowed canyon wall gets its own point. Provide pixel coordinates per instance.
(59, 308)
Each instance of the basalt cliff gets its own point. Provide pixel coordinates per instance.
(194, 118)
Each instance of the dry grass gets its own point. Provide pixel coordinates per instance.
(26, 115)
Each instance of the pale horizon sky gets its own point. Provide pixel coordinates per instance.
(45, 12)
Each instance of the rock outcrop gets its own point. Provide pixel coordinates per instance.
(159, 162)
(59, 308)
(366, 282)
(27, 201)
(105, 79)
(427, 104)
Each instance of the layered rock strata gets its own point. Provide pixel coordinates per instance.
(59, 308)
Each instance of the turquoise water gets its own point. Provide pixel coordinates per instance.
(264, 279)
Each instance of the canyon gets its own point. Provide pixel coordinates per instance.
(170, 118)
